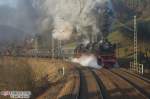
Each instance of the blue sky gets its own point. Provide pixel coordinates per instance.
(11, 3)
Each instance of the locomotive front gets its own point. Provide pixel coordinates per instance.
(104, 50)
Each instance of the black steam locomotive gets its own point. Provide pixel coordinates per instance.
(104, 50)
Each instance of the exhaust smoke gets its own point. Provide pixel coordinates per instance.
(87, 60)
(84, 16)
(62, 29)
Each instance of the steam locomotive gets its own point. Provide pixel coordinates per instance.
(104, 51)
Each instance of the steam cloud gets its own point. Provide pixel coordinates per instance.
(33, 16)
(87, 60)
(62, 29)
(84, 16)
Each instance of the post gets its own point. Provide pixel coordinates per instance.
(117, 49)
(130, 66)
(142, 69)
(60, 48)
(53, 48)
(135, 44)
(36, 46)
(63, 71)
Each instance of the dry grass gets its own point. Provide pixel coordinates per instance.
(31, 74)
(14, 74)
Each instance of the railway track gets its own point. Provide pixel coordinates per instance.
(89, 87)
(117, 87)
(141, 84)
(83, 86)
(71, 88)
(134, 74)
(106, 84)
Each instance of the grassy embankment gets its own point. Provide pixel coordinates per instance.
(32, 74)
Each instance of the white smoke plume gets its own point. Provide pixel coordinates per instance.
(62, 29)
(87, 60)
(83, 15)
(85, 42)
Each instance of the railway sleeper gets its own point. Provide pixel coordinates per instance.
(138, 83)
(117, 87)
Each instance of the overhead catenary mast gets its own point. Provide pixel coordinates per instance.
(36, 45)
(53, 48)
(135, 43)
(59, 48)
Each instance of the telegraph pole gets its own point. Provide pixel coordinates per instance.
(53, 48)
(60, 47)
(135, 43)
(36, 46)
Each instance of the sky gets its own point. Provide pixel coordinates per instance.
(11, 3)
(17, 18)
(18, 14)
